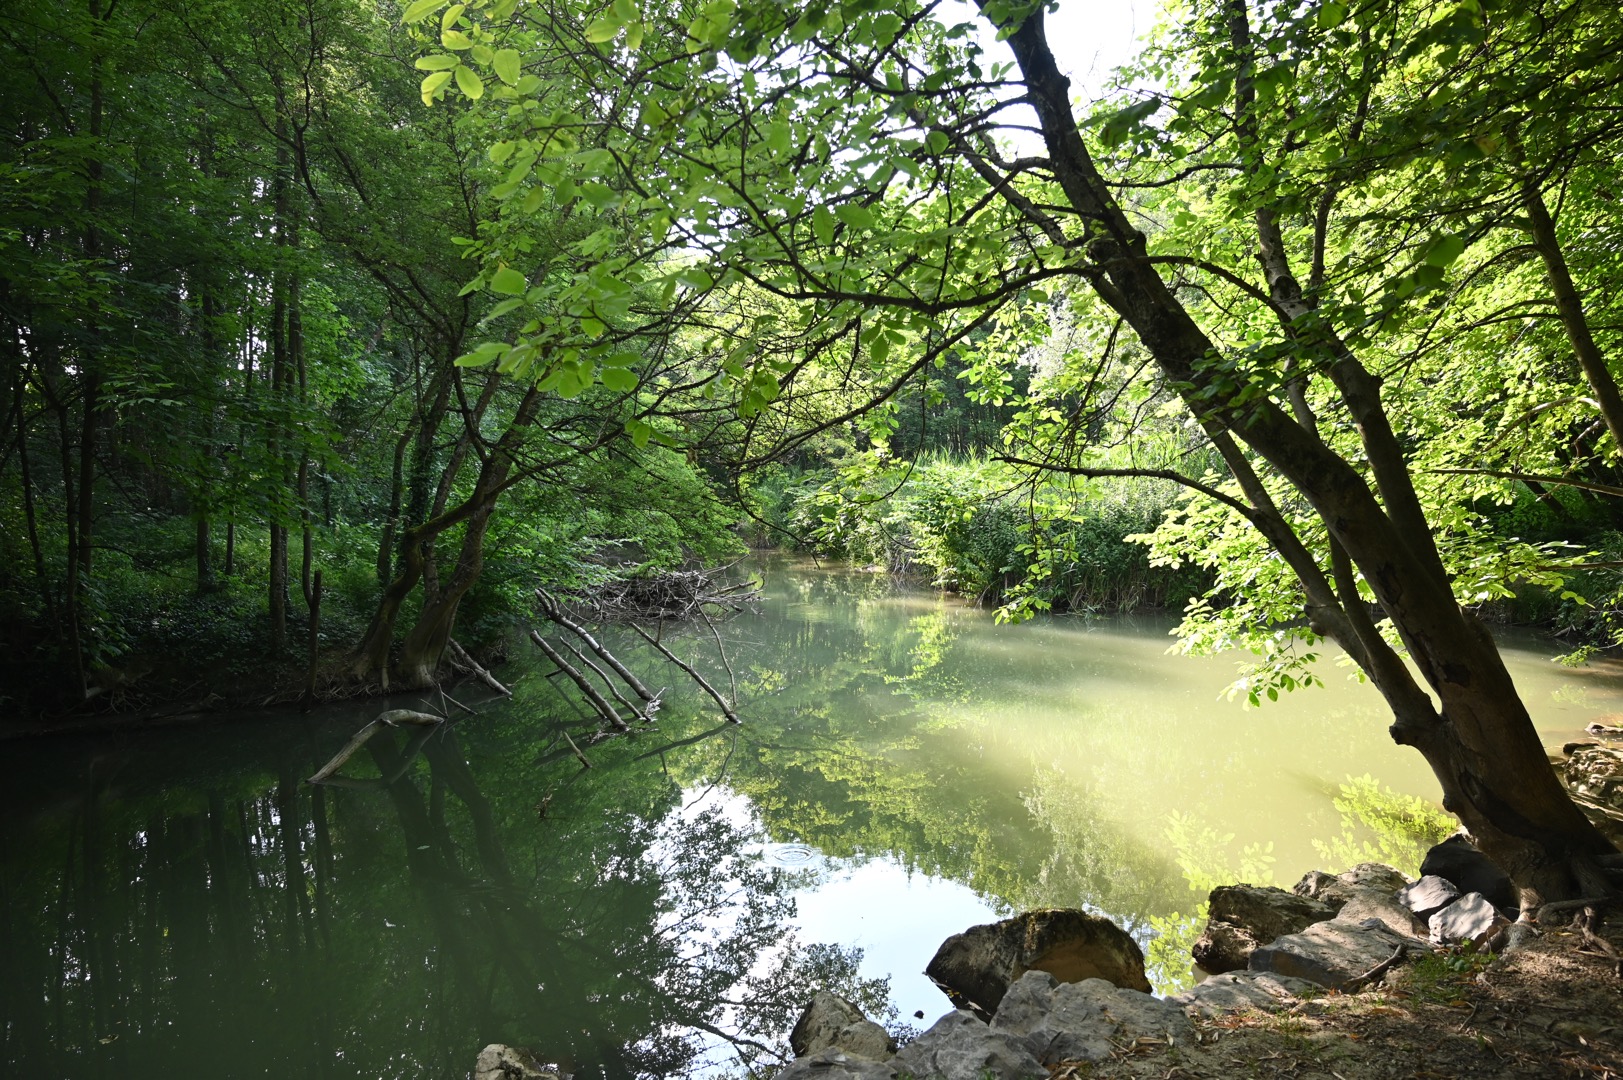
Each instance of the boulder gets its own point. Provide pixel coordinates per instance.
(1337, 889)
(976, 968)
(1237, 991)
(1245, 916)
(1085, 1021)
(960, 1046)
(832, 1021)
(835, 1064)
(1364, 903)
(498, 1062)
(1470, 918)
(1223, 947)
(1430, 894)
(1457, 861)
(1333, 953)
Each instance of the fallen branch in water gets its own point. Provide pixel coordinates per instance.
(461, 661)
(670, 594)
(726, 709)
(599, 702)
(391, 718)
(554, 611)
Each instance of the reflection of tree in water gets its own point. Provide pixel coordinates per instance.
(857, 745)
(262, 927)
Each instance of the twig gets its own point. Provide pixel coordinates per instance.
(565, 733)
(721, 650)
(447, 698)
(1375, 972)
(1585, 922)
(727, 710)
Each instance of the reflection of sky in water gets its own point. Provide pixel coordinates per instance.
(896, 917)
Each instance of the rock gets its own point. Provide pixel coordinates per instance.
(1317, 885)
(830, 1020)
(1236, 991)
(1605, 731)
(1382, 905)
(1597, 771)
(1332, 953)
(976, 968)
(1458, 861)
(1084, 1021)
(498, 1062)
(1470, 918)
(1336, 889)
(835, 1064)
(960, 1046)
(1431, 893)
(1245, 916)
(1223, 947)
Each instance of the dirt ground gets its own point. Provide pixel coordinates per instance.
(1551, 1010)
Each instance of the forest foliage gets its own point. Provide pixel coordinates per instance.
(444, 302)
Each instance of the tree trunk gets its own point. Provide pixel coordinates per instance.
(1481, 743)
(420, 655)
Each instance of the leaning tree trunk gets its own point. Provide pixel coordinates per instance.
(421, 652)
(1476, 735)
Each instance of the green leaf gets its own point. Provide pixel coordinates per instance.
(483, 354)
(823, 225)
(507, 65)
(1122, 122)
(634, 36)
(456, 40)
(858, 217)
(603, 29)
(470, 83)
(1445, 251)
(639, 430)
(437, 62)
(619, 378)
(508, 282)
(1332, 15)
(419, 11)
(432, 83)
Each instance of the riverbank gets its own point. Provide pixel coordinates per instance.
(1454, 997)
(1548, 1010)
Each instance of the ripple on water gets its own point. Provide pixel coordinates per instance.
(789, 855)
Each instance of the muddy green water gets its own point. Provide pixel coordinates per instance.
(181, 903)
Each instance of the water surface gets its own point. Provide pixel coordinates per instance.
(905, 768)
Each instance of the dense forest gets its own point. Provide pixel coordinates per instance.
(333, 329)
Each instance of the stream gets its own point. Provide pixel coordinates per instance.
(178, 902)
